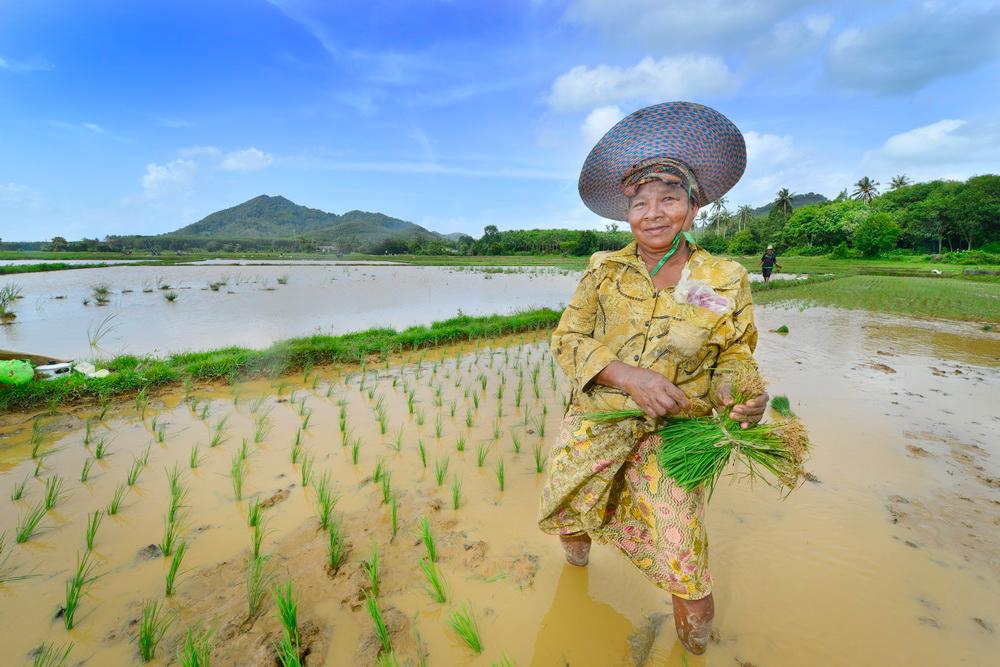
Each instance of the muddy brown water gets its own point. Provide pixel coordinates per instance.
(889, 557)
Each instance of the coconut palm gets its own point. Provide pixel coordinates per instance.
(898, 182)
(702, 218)
(744, 214)
(866, 190)
(719, 214)
(783, 201)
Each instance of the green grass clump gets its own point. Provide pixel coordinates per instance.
(435, 585)
(74, 588)
(196, 651)
(28, 523)
(464, 624)
(152, 627)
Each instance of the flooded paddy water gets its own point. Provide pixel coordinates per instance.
(890, 555)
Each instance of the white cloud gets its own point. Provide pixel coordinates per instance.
(908, 51)
(599, 121)
(160, 179)
(682, 77)
(768, 150)
(19, 195)
(249, 159)
(93, 127)
(664, 24)
(34, 65)
(199, 151)
(789, 40)
(946, 142)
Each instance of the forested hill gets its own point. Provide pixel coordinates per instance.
(798, 201)
(267, 217)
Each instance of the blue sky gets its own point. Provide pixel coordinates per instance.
(123, 117)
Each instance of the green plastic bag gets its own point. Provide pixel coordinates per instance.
(16, 372)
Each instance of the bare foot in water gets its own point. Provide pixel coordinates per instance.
(693, 620)
(577, 548)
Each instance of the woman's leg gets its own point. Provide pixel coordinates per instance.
(577, 548)
(693, 620)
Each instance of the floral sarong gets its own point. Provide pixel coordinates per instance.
(611, 487)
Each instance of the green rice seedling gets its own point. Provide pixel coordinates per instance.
(37, 438)
(144, 459)
(782, 406)
(218, 433)
(152, 627)
(783, 329)
(38, 466)
(53, 491)
(500, 390)
(326, 500)
(257, 536)
(288, 611)
(170, 535)
(258, 581)
(499, 409)
(428, 538)
(237, 473)
(335, 547)
(380, 470)
(518, 394)
(28, 523)
(174, 481)
(93, 523)
(456, 492)
(288, 652)
(105, 404)
(423, 452)
(116, 499)
(170, 296)
(355, 450)
(435, 585)
(244, 450)
(142, 403)
(397, 441)
(500, 474)
(380, 629)
(438, 427)
(419, 417)
(305, 419)
(48, 655)
(306, 469)
(383, 423)
(101, 449)
(539, 461)
(161, 432)
(175, 566)
(371, 568)
(196, 651)
(545, 408)
(464, 624)
(194, 459)
(460, 443)
(540, 427)
(410, 399)
(261, 429)
(394, 514)
(87, 432)
(254, 510)
(74, 588)
(527, 415)
(505, 661)
(205, 409)
(482, 451)
(17, 491)
(440, 470)
(296, 451)
(475, 399)
(516, 442)
(497, 432)
(386, 487)
(482, 381)
(343, 417)
(133, 472)
(451, 409)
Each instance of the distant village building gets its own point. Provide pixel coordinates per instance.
(328, 248)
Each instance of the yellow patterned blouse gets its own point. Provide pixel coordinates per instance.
(617, 314)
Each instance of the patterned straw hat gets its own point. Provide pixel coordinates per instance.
(701, 138)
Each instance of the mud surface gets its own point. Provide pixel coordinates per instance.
(888, 556)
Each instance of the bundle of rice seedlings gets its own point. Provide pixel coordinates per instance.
(782, 406)
(696, 450)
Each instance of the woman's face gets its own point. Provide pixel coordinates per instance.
(658, 212)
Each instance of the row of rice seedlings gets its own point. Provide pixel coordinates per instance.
(152, 627)
(196, 651)
(74, 588)
(289, 647)
(175, 565)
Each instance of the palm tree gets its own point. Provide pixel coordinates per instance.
(744, 214)
(703, 218)
(898, 182)
(866, 190)
(783, 201)
(719, 214)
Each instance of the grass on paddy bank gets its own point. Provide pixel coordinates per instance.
(943, 298)
(131, 374)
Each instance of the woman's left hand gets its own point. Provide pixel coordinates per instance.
(747, 413)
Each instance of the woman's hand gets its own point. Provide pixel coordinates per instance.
(747, 413)
(655, 395)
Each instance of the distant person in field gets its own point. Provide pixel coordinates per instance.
(767, 262)
(658, 326)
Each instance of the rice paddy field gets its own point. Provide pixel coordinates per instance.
(384, 513)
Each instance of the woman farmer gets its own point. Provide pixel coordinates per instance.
(768, 261)
(655, 325)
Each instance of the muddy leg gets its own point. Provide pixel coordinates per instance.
(577, 548)
(693, 619)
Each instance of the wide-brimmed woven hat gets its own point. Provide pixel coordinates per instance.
(700, 137)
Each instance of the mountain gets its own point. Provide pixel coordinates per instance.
(267, 217)
(798, 201)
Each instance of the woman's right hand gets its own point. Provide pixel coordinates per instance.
(656, 395)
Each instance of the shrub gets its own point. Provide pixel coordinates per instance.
(876, 234)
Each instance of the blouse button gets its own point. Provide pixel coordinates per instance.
(647, 323)
(635, 358)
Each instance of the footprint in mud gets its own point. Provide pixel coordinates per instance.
(641, 641)
(983, 624)
(918, 451)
